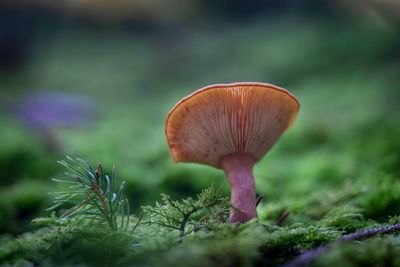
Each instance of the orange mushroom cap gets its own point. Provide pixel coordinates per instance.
(223, 119)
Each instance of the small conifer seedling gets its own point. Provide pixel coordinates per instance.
(94, 196)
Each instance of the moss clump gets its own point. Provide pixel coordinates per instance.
(379, 251)
(205, 239)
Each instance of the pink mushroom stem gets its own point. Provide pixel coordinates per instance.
(238, 168)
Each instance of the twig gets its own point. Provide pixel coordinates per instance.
(307, 257)
(164, 215)
(137, 223)
(171, 202)
(185, 219)
(284, 214)
(75, 208)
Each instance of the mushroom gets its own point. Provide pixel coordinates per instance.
(231, 127)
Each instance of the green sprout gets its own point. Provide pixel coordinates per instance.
(94, 196)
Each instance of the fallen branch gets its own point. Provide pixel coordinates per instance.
(307, 257)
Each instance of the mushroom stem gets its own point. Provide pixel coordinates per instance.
(238, 169)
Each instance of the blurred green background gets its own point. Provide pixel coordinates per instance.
(95, 80)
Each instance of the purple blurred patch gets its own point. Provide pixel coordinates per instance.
(55, 109)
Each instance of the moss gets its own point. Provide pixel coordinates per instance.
(345, 218)
(20, 203)
(70, 245)
(375, 252)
